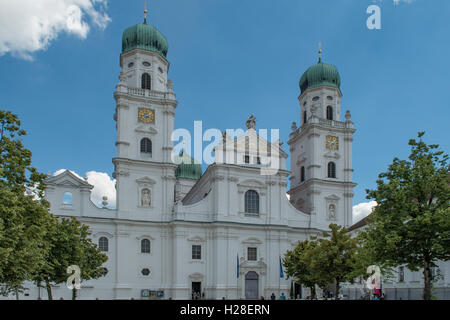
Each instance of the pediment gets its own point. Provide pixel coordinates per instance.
(146, 129)
(256, 143)
(252, 240)
(332, 155)
(145, 236)
(145, 180)
(251, 183)
(332, 197)
(254, 265)
(196, 275)
(196, 239)
(103, 234)
(68, 179)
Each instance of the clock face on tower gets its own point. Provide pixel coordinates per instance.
(332, 142)
(146, 115)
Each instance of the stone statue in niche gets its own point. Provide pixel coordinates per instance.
(332, 210)
(145, 198)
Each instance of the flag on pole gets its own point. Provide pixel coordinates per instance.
(237, 265)
(281, 269)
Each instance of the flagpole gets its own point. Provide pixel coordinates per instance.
(237, 276)
(279, 277)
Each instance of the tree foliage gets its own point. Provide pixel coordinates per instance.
(297, 264)
(69, 245)
(23, 218)
(334, 257)
(411, 223)
(323, 261)
(15, 160)
(34, 245)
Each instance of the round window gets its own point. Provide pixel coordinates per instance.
(145, 271)
(131, 64)
(146, 64)
(315, 98)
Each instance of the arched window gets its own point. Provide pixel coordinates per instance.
(330, 113)
(252, 202)
(331, 170)
(103, 244)
(67, 198)
(304, 116)
(146, 145)
(302, 174)
(146, 81)
(145, 246)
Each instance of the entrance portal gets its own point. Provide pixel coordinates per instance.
(196, 290)
(251, 285)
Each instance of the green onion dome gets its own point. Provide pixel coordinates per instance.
(145, 37)
(320, 74)
(188, 168)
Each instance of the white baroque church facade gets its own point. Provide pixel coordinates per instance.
(177, 232)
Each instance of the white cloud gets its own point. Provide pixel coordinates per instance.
(103, 186)
(27, 26)
(362, 210)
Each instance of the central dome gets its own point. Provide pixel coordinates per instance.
(145, 37)
(320, 74)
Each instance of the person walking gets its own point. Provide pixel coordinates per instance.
(272, 297)
(282, 297)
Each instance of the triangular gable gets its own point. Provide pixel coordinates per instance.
(67, 178)
(255, 143)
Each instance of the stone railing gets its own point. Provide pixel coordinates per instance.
(332, 123)
(150, 93)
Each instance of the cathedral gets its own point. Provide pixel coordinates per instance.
(180, 233)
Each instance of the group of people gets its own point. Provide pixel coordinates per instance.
(274, 297)
(197, 296)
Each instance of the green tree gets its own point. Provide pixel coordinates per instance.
(69, 245)
(15, 160)
(23, 218)
(333, 259)
(411, 223)
(297, 264)
(91, 259)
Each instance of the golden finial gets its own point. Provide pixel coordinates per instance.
(145, 12)
(320, 52)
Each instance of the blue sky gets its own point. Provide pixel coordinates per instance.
(232, 58)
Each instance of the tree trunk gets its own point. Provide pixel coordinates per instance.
(313, 292)
(427, 278)
(49, 290)
(17, 294)
(336, 297)
(74, 293)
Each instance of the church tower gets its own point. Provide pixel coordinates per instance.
(145, 110)
(321, 149)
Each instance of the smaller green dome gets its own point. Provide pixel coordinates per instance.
(145, 37)
(320, 74)
(188, 168)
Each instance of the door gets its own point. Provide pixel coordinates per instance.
(297, 291)
(251, 285)
(196, 290)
